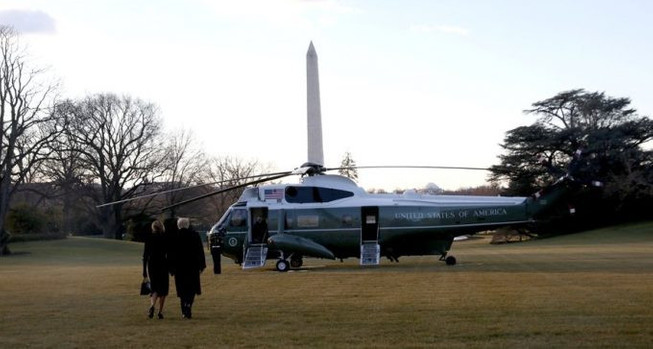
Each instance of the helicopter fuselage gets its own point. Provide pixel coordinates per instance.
(328, 216)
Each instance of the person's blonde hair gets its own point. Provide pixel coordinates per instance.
(183, 223)
(157, 227)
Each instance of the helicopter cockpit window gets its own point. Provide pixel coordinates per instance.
(222, 223)
(302, 195)
(238, 218)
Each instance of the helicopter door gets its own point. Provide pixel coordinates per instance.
(370, 250)
(256, 248)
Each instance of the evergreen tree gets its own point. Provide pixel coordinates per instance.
(348, 167)
(606, 129)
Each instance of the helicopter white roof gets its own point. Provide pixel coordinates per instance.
(410, 198)
(333, 182)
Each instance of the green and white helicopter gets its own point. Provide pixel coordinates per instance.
(329, 216)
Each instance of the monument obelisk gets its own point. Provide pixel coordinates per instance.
(314, 113)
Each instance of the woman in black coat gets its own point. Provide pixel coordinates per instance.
(155, 266)
(189, 263)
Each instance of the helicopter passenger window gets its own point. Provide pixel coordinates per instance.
(308, 221)
(302, 195)
(289, 222)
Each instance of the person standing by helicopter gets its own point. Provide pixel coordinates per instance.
(215, 246)
(189, 263)
(155, 267)
(259, 230)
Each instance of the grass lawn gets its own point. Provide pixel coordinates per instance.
(593, 289)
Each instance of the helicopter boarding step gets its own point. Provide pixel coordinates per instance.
(255, 256)
(370, 253)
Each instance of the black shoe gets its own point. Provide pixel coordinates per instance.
(150, 313)
(160, 315)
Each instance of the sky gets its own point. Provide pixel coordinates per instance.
(415, 82)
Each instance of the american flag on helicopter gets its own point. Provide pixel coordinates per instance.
(273, 194)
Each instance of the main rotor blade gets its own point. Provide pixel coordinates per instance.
(191, 187)
(284, 174)
(415, 167)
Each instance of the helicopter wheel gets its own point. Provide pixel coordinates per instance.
(282, 265)
(451, 260)
(296, 262)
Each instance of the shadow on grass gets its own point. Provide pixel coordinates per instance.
(16, 254)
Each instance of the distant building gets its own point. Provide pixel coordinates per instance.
(433, 189)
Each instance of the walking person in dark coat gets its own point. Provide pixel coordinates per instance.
(155, 267)
(189, 263)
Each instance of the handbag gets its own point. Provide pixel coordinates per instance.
(146, 287)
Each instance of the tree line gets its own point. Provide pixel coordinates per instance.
(81, 153)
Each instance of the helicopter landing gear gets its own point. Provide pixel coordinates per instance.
(296, 261)
(449, 260)
(282, 265)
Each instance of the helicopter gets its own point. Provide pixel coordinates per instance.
(329, 216)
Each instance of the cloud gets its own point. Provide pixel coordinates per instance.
(447, 29)
(26, 21)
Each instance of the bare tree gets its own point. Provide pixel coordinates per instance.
(26, 127)
(228, 172)
(120, 149)
(65, 169)
(183, 165)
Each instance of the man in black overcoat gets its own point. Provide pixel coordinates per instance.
(189, 262)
